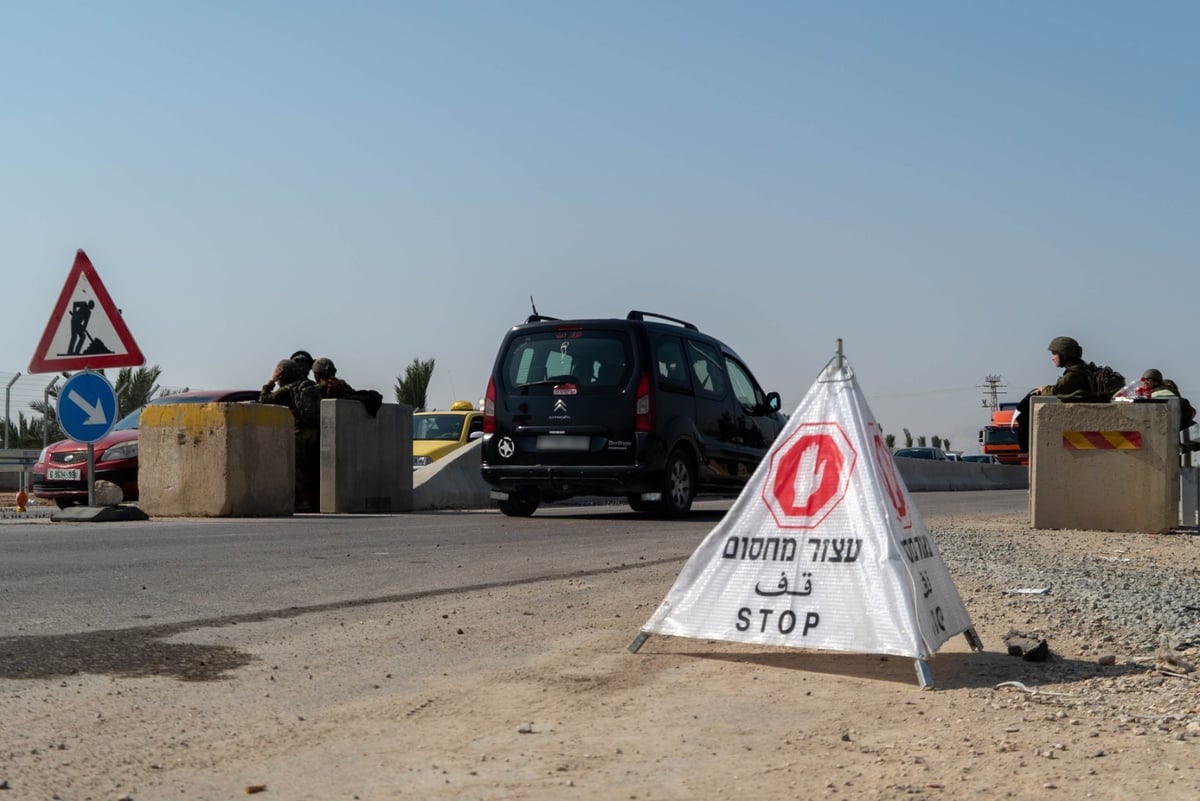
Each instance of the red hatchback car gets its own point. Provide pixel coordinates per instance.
(60, 474)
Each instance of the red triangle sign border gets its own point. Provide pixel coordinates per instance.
(46, 362)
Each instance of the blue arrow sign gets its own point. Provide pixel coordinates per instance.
(87, 407)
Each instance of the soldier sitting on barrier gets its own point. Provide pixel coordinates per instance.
(1158, 387)
(1073, 386)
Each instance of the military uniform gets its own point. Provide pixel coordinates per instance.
(1074, 386)
(334, 388)
(303, 398)
(330, 385)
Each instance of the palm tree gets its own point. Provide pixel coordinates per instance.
(25, 434)
(413, 389)
(135, 388)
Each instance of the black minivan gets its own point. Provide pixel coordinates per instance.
(651, 410)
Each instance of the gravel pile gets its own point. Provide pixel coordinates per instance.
(1142, 598)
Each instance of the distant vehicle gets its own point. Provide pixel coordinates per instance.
(60, 474)
(953, 456)
(999, 438)
(436, 434)
(981, 458)
(652, 410)
(933, 454)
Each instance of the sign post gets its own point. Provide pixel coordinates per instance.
(87, 410)
(86, 332)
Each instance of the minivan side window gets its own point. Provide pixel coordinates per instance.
(745, 390)
(672, 368)
(708, 370)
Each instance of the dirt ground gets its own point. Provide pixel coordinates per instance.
(529, 693)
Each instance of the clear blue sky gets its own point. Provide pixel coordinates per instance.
(945, 186)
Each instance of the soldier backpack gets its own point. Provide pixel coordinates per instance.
(1105, 382)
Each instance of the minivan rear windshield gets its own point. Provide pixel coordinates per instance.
(589, 359)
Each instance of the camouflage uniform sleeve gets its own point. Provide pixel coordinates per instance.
(278, 397)
(1073, 386)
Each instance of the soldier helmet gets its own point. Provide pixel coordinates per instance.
(1066, 347)
(290, 371)
(1153, 376)
(323, 368)
(304, 359)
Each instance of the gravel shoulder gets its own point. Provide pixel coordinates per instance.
(529, 692)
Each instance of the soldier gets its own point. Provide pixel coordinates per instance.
(304, 359)
(327, 381)
(1160, 387)
(300, 394)
(1156, 387)
(1074, 385)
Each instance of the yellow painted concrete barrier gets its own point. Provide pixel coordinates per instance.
(216, 460)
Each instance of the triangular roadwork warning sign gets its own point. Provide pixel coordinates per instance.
(822, 549)
(85, 329)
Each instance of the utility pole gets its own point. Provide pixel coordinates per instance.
(993, 389)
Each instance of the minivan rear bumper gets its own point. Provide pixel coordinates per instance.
(565, 481)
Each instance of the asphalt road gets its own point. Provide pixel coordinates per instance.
(59, 578)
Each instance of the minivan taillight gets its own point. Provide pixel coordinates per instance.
(489, 408)
(644, 408)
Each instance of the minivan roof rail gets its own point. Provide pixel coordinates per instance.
(642, 315)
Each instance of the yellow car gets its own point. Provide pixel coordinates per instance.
(436, 434)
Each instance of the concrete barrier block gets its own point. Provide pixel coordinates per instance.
(1104, 466)
(366, 462)
(924, 475)
(216, 460)
(453, 482)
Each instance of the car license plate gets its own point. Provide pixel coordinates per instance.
(63, 474)
(552, 442)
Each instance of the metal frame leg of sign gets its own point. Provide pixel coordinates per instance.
(638, 641)
(91, 473)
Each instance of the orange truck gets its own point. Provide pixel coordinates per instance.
(999, 437)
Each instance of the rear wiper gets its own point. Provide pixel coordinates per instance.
(558, 379)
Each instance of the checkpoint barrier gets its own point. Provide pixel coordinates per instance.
(216, 460)
(926, 475)
(366, 462)
(1105, 466)
(453, 482)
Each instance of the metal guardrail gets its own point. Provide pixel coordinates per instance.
(17, 460)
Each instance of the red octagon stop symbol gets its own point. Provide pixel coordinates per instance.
(809, 475)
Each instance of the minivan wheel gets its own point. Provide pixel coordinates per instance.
(680, 485)
(519, 504)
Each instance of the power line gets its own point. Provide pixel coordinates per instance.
(993, 389)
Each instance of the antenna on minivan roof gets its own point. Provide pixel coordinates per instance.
(533, 306)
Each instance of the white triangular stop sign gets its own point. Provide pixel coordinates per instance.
(823, 548)
(85, 330)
